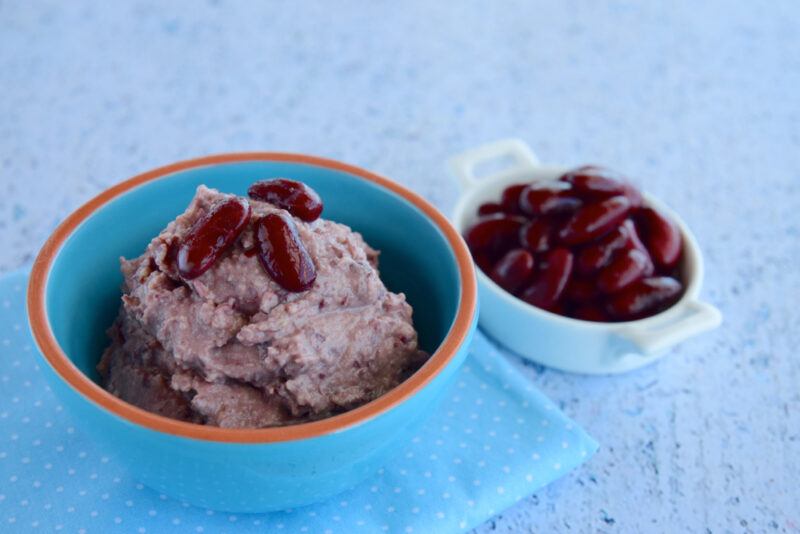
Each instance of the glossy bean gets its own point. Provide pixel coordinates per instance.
(628, 266)
(513, 269)
(510, 199)
(597, 255)
(210, 236)
(537, 235)
(661, 236)
(591, 182)
(548, 198)
(551, 280)
(295, 197)
(283, 254)
(644, 298)
(594, 220)
(494, 235)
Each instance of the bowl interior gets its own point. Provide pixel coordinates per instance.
(83, 287)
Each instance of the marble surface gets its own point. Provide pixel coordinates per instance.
(700, 101)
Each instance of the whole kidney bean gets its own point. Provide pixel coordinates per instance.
(597, 255)
(593, 182)
(595, 220)
(283, 254)
(511, 197)
(490, 208)
(548, 198)
(211, 235)
(513, 269)
(590, 182)
(661, 237)
(495, 235)
(643, 298)
(295, 197)
(537, 235)
(552, 278)
(628, 266)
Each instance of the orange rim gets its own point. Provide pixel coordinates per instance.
(52, 352)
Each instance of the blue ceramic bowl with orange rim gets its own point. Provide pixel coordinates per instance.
(74, 292)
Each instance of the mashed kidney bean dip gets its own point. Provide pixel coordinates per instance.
(255, 312)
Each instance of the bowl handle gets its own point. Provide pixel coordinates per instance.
(520, 155)
(696, 317)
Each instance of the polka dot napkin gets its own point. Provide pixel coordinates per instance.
(493, 441)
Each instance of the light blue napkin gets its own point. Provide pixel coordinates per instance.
(493, 441)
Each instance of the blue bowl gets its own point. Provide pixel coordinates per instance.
(73, 297)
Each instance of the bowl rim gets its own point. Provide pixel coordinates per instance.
(92, 392)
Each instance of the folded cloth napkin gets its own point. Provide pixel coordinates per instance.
(493, 441)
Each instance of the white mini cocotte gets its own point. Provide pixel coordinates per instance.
(562, 342)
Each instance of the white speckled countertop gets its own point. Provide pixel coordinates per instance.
(698, 100)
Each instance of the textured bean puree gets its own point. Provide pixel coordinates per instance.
(232, 348)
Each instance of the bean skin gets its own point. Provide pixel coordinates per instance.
(282, 253)
(549, 285)
(644, 298)
(513, 269)
(211, 236)
(595, 220)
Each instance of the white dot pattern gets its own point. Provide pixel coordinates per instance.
(493, 440)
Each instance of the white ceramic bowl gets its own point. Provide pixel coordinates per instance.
(554, 340)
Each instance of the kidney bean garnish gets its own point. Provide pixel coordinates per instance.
(661, 237)
(211, 235)
(283, 254)
(628, 266)
(643, 298)
(510, 198)
(490, 208)
(552, 278)
(295, 197)
(595, 220)
(495, 235)
(537, 235)
(548, 198)
(513, 269)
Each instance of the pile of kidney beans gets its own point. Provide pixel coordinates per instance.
(278, 246)
(585, 246)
